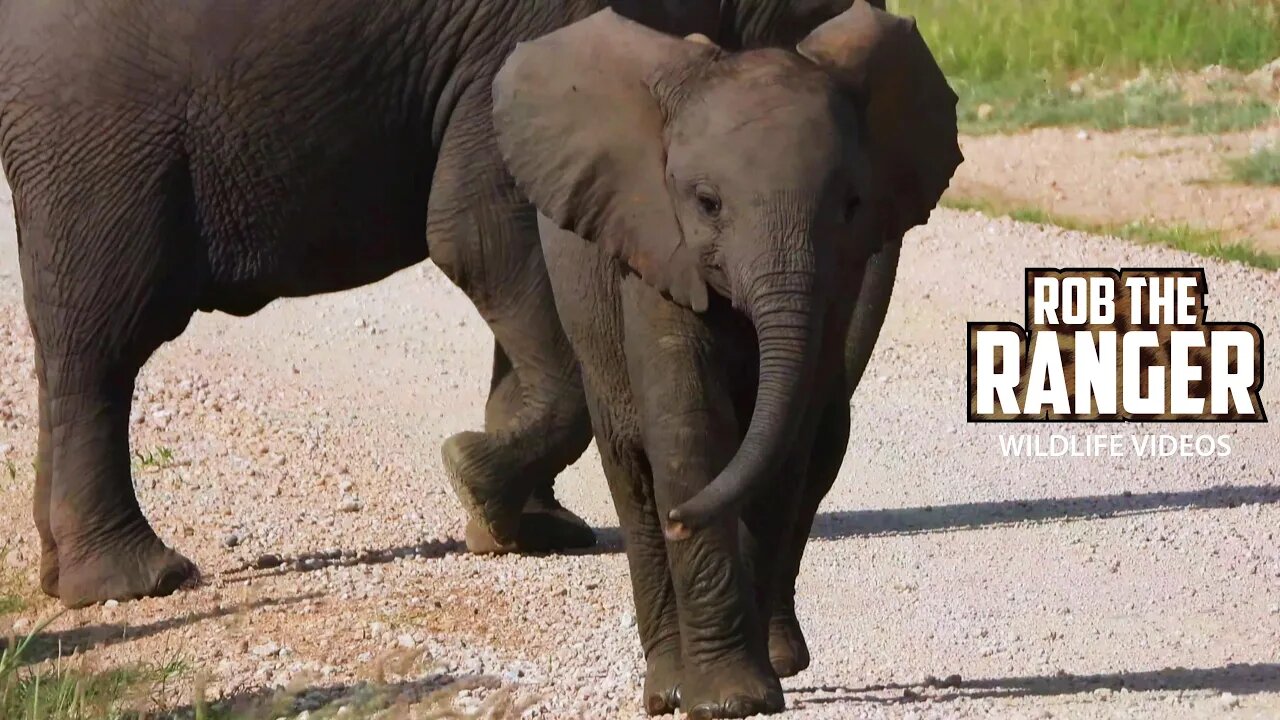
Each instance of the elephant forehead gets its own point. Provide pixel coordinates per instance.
(762, 126)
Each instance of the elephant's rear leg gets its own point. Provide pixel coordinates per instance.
(545, 525)
(484, 236)
(105, 283)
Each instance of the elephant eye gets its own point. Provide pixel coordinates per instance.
(708, 201)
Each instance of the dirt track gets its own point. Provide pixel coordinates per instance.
(1054, 588)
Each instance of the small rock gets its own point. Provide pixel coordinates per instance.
(268, 561)
(627, 620)
(266, 650)
(406, 641)
(231, 541)
(349, 505)
(111, 604)
(1228, 700)
(1082, 135)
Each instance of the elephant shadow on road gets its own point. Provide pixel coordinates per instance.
(973, 516)
(836, 525)
(1239, 679)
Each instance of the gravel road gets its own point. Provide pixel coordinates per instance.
(306, 438)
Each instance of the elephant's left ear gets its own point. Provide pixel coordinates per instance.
(909, 109)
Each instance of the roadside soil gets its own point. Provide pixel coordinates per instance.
(1127, 176)
(1069, 588)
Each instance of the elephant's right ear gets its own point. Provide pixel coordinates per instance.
(582, 132)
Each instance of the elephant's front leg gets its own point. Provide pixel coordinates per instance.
(690, 432)
(631, 485)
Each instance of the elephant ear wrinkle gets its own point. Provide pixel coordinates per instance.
(582, 134)
(910, 110)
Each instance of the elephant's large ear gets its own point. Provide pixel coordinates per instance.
(582, 132)
(910, 110)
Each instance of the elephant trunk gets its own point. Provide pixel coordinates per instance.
(787, 324)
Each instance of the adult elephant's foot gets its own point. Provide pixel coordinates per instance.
(548, 526)
(141, 567)
(788, 652)
(503, 514)
(662, 679)
(730, 690)
(488, 485)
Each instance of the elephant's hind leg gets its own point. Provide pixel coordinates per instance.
(101, 274)
(484, 236)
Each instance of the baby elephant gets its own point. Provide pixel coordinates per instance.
(721, 231)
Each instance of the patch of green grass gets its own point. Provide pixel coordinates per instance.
(1257, 168)
(988, 40)
(11, 604)
(70, 690)
(157, 459)
(1012, 105)
(1020, 57)
(1180, 237)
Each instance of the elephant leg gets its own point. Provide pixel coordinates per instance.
(103, 291)
(788, 651)
(484, 235)
(545, 524)
(657, 617)
(690, 432)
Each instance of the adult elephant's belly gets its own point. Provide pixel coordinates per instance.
(301, 227)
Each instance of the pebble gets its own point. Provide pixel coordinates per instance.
(269, 649)
(231, 541)
(349, 505)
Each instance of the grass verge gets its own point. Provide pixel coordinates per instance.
(1180, 237)
(1013, 62)
(72, 690)
(1257, 168)
(1012, 105)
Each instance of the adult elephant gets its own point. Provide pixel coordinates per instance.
(171, 157)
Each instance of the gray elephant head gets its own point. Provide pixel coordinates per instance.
(766, 176)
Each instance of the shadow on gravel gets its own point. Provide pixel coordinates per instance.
(433, 695)
(1237, 679)
(270, 564)
(62, 643)
(970, 516)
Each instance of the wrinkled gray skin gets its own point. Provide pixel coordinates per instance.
(170, 157)
(722, 232)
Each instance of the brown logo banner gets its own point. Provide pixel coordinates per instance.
(1099, 344)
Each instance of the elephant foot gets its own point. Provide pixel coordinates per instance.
(49, 571)
(502, 516)
(544, 528)
(662, 680)
(146, 568)
(730, 690)
(788, 652)
(548, 526)
(488, 488)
